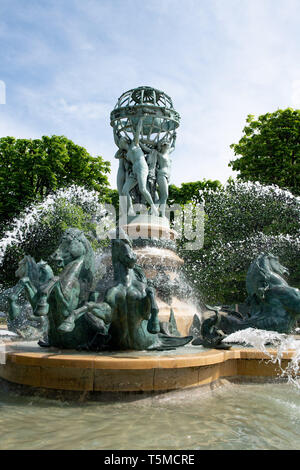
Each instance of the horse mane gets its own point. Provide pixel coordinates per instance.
(89, 258)
(258, 277)
(32, 270)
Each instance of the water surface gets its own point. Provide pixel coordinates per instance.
(234, 416)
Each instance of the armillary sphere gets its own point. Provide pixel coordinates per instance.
(160, 118)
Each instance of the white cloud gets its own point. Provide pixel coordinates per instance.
(296, 94)
(82, 110)
(10, 126)
(219, 61)
(2, 92)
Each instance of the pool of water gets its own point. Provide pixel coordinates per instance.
(232, 416)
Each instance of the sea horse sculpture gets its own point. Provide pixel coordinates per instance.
(273, 304)
(72, 317)
(134, 322)
(36, 279)
(75, 321)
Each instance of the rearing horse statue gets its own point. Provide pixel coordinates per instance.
(273, 304)
(74, 322)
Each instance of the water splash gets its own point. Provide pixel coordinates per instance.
(262, 339)
(243, 220)
(6, 333)
(30, 218)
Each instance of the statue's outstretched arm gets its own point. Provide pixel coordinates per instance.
(136, 136)
(116, 138)
(145, 148)
(172, 148)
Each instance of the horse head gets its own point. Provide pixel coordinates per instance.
(22, 270)
(28, 268)
(274, 265)
(45, 272)
(122, 252)
(73, 245)
(264, 273)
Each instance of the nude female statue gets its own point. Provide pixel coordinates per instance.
(124, 175)
(163, 172)
(136, 156)
(121, 175)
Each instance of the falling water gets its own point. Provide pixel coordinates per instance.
(27, 220)
(244, 219)
(30, 222)
(262, 339)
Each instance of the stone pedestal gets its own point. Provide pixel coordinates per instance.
(149, 227)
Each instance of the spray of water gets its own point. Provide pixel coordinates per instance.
(262, 340)
(243, 220)
(27, 220)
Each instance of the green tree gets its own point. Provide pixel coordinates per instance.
(242, 220)
(191, 192)
(31, 169)
(270, 150)
(39, 229)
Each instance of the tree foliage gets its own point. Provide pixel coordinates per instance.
(31, 169)
(270, 150)
(242, 220)
(38, 229)
(191, 192)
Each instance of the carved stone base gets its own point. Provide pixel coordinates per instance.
(149, 227)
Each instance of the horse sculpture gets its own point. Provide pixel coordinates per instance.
(134, 323)
(36, 280)
(74, 322)
(68, 308)
(273, 304)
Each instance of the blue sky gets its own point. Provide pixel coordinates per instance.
(65, 63)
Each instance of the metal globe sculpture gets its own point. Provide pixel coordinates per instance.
(160, 118)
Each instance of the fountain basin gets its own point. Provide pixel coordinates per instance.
(131, 371)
